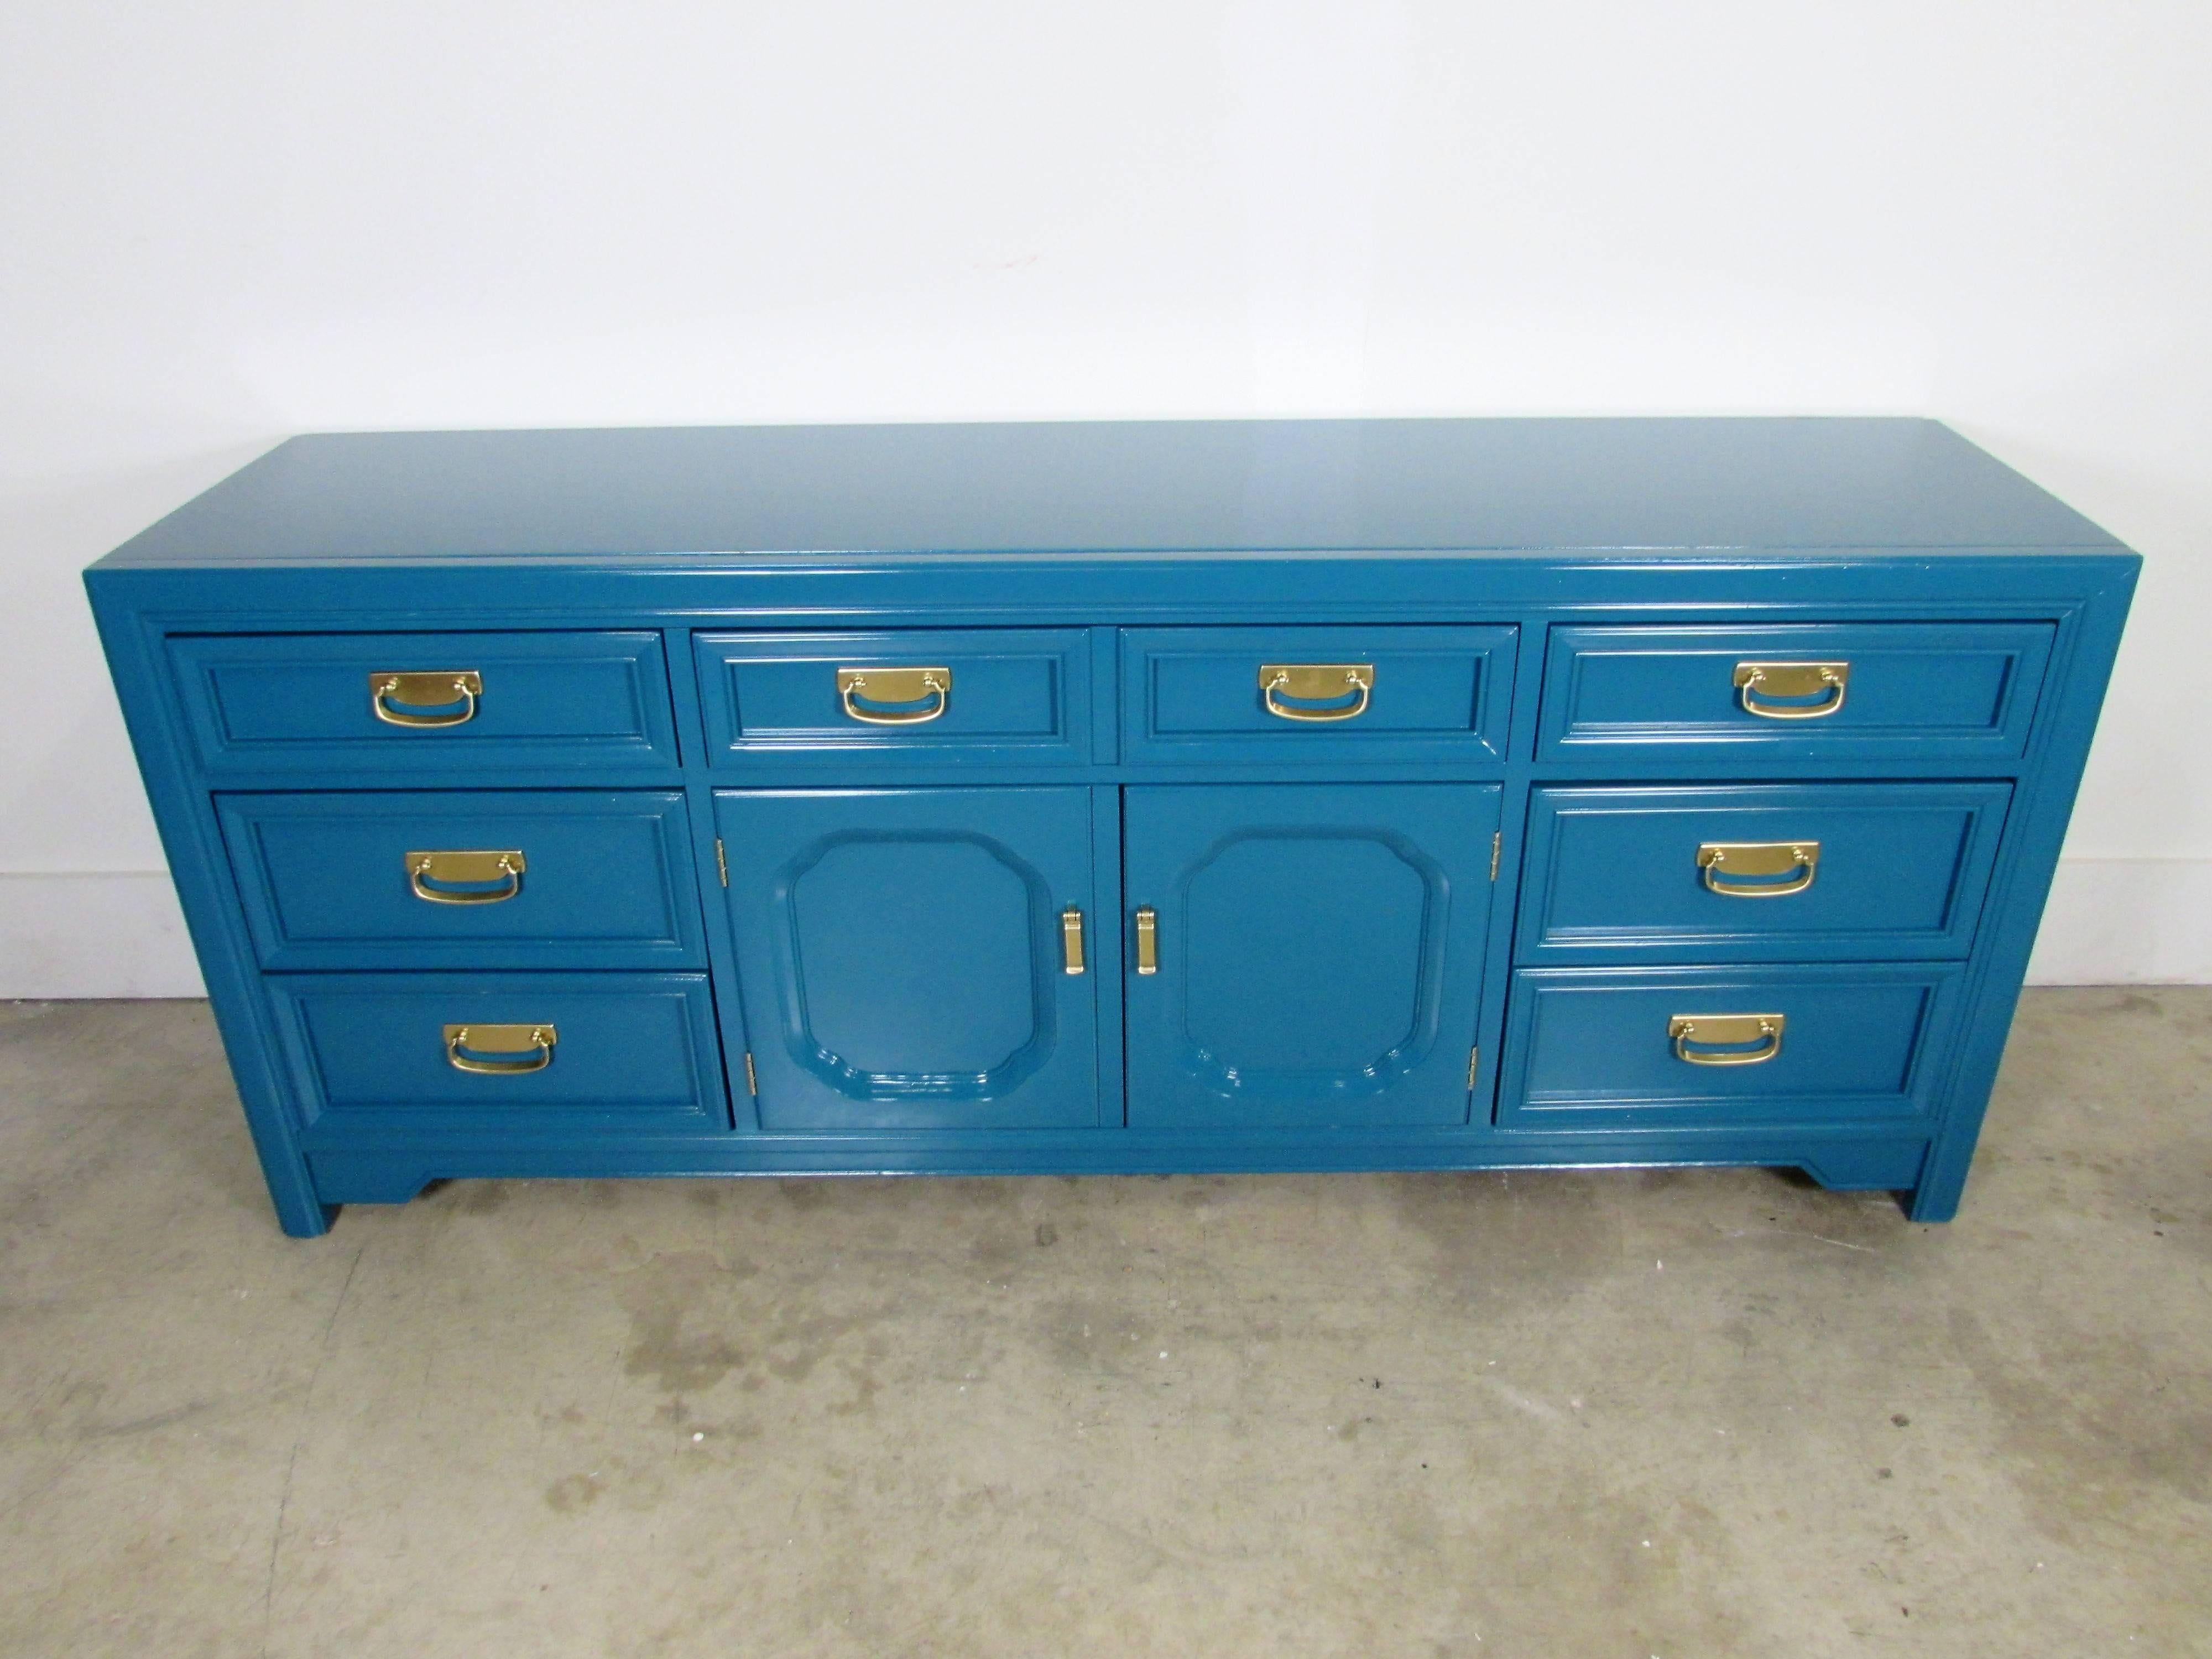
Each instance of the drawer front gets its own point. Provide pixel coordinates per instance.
(980, 697)
(483, 879)
(1275, 695)
(1760, 873)
(534, 1055)
(1587, 1048)
(1903, 690)
(314, 704)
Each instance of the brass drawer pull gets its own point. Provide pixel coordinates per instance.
(1798, 860)
(1070, 939)
(1316, 682)
(394, 696)
(1755, 681)
(534, 1040)
(1724, 1037)
(1148, 939)
(472, 869)
(894, 686)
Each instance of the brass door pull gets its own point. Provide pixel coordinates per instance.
(1316, 682)
(465, 1042)
(1722, 1039)
(1148, 939)
(1757, 682)
(1070, 939)
(884, 686)
(467, 872)
(395, 697)
(1797, 860)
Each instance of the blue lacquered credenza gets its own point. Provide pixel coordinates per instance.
(1117, 797)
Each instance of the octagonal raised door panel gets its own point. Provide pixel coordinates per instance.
(1319, 953)
(902, 956)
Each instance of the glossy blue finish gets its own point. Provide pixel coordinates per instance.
(1963, 691)
(1320, 952)
(607, 880)
(1548, 486)
(1192, 696)
(298, 705)
(656, 614)
(1861, 1040)
(636, 1054)
(903, 951)
(1614, 875)
(1019, 697)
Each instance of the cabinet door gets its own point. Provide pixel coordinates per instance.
(1319, 951)
(902, 956)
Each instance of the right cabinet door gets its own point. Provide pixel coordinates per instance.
(1316, 952)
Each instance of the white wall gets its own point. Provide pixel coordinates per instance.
(226, 222)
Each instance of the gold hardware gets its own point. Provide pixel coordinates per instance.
(1497, 842)
(1474, 1062)
(1148, 939)
(894, 686)
(536, 1040)
(437, 689)
(752, 1078)
(1070, 939)
(1726, 1032)
(1791, 679)
(721, 862)
(1316, 682)
(478, 867)
(1759, 857)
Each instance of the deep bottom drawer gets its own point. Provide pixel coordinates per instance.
(1837, 1045)
(501, 1054)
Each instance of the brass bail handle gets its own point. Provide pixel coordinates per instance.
(1758, 682)
(464, 1043)
(1316, 682)
(397, 699)
(468, 872)
(1800, 860)
(1722, 1039)
(866, 691)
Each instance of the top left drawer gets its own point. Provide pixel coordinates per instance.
(354, 705)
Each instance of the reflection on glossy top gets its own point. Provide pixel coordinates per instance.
(1198, 486)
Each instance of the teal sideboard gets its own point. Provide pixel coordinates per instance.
(1115, 797)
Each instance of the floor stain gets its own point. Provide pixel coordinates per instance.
(573, 1492)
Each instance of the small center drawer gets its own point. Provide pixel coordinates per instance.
(1276, 694)
(1774, 872)
(318, 704)
(500, 1056)
(480, 878)
(1693, 1048)
(1904, 690)
(976, 697)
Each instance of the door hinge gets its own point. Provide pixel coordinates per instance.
(722, 868)
(1497, 842)
(1473, 1063)
(752, 1078)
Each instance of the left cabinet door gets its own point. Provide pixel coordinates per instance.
(904, 958)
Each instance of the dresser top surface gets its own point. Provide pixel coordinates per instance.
(1380, 487)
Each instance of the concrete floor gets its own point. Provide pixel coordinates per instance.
(1685, 1414)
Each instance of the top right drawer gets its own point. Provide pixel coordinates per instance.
(1851, 691)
